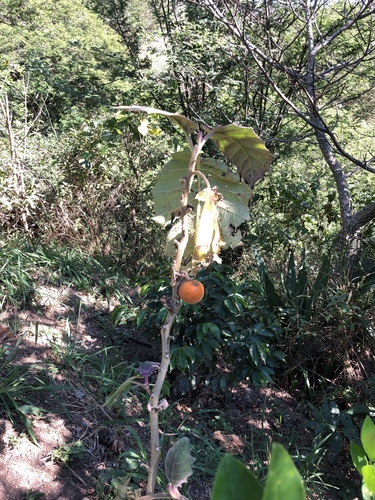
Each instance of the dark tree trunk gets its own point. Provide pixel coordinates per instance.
(349, 240)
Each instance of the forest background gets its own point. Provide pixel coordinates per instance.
(292, 304)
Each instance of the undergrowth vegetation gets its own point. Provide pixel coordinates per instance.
(280, 350)
(250, 328)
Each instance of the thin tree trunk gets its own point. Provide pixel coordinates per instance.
(349, 239)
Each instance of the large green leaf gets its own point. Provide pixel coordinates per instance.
(368, 473)
(233, 208)
(233, 481)
(366, 493)
(244, 149)
(368, 438)
(185, 123)
(167, 190)
(358, 456)
(283, 479)
(178, 462)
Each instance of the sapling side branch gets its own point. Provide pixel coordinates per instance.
(200, 174)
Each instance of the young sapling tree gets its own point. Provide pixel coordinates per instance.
(204, 202)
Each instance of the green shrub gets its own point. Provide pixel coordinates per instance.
(221, 340)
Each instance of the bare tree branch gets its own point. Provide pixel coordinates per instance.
(308, 69)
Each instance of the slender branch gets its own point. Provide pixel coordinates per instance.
(199, 174)
(154, 405)
(173, 306)
(364, 12)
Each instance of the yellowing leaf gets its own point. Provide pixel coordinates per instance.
(207, 236)
(234, 206)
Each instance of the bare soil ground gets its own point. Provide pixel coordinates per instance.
(77, 413)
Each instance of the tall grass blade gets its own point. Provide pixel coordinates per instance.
(291, 279)
(272, 297)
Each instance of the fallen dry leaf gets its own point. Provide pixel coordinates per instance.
(232, 443)
(4, 333)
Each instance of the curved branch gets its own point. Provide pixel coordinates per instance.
(363, 217)
(190, 176)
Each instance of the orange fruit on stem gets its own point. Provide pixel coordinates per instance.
(191, 291)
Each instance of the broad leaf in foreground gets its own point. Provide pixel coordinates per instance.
(358, 456)
(283, 480)
(368, 473)
(233, 481)
(368, 438)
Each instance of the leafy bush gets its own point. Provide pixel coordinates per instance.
(221, 340)
(325, 324)
(298, 293)
(293, 210)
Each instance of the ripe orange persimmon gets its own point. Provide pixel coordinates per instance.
(191, 291)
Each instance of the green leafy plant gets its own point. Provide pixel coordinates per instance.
(332, 427)
(297, 292)
(228, 324)
(68, 452)
(233, 481)
(363, 458)
(201, 218)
